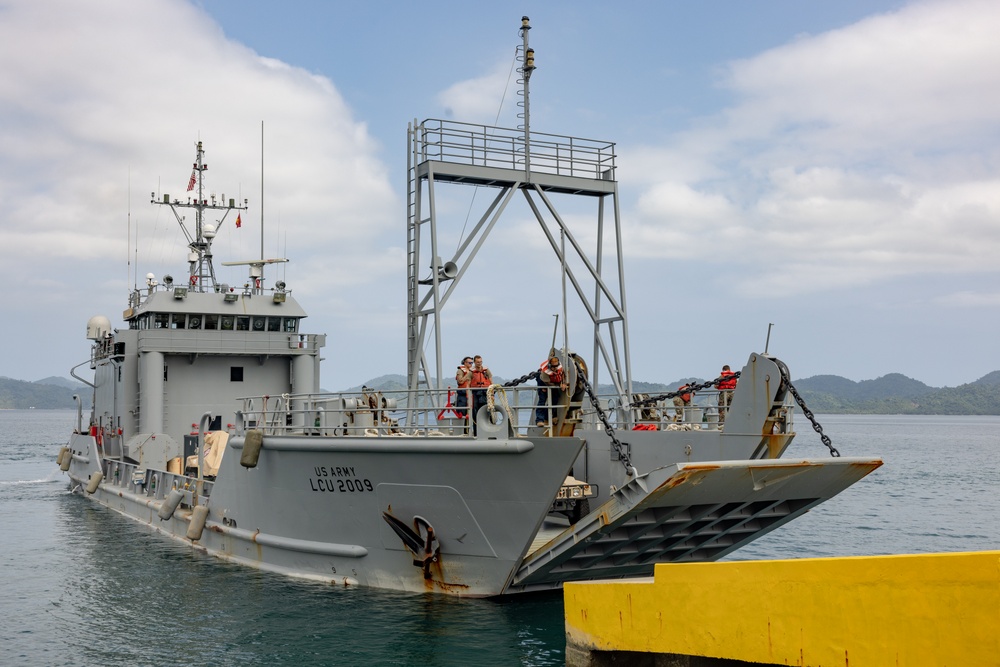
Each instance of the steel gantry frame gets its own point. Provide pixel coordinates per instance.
(512, 161)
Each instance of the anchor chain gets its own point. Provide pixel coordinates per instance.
(652, 400)
(615, 442)
(521, 380)
(805, 410)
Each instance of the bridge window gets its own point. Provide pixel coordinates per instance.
(211, 321)
(274, 324)
(242, 323)
(291, 324)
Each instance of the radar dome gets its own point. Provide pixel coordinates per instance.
(98, 327)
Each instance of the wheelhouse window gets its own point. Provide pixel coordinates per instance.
(259, 323)
(178, 321)
(242, 323)
(161, 320)
(211, 321)
(274, 324)
(291, 324)
(227, 323)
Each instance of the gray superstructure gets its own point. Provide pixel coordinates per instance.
(208, 424)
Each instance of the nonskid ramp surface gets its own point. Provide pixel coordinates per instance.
(687, 512)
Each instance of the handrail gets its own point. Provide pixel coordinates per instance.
(428, 412)
(490, 146)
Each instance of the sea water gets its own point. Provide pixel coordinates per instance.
(85, 586)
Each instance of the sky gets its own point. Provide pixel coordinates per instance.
(826, 170)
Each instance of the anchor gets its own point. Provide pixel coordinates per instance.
(422, 540)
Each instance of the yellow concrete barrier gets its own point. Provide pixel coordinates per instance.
(934, 610)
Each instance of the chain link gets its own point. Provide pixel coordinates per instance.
(521, 380)
(615, 442)
(652, 400)
(582, 376)
(786, 380)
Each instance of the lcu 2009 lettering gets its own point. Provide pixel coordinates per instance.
(341, 485)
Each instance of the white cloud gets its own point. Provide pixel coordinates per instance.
(122, 90)
(102, 103)
(969, 299)
(479, 100)
(850, 157)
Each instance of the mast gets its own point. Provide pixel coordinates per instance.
(200, 268)
(527, 67)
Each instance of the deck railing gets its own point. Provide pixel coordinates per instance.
(489, 146)
(435, 413)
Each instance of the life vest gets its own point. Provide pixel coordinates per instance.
(480, 378)
(686, 397)
(468, 378)
(555, 375)
(729, 382)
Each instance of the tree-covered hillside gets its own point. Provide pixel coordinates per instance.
(44, 395)
(889, 394)
(898, 394)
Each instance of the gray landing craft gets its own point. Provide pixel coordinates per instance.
(209, 427)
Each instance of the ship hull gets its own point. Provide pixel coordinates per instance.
(313, 508)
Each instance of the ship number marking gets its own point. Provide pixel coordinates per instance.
(339, 479)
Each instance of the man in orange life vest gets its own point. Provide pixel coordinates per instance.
(481, 379)
(681, 401)
(463, 377)
(725, 385)
(550, 374)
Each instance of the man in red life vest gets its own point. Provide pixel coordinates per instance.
(725, 385)
(550, 374)
(681, 401)
(480, 380)
(463, 377)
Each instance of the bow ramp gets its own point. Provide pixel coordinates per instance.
(686, 512)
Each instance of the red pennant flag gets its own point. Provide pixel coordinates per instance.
(238, 221)
(191, 182)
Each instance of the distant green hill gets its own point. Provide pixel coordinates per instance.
(890, 394)
(48, 394)
(898, 394)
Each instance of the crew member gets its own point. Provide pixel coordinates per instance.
(725, 385)
(681, 401)
(550, 375)
(463, 376)
(480, 380)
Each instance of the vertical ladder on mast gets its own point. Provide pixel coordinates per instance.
(413, 351)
